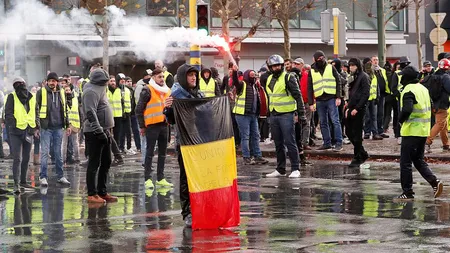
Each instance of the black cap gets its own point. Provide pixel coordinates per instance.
(366, 60)
(52, 75)
(426, 63)
(409, 72)
(318, 54)
(404, 59)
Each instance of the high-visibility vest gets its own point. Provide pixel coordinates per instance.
(373, 88)
(208, 89)
(74, 113)
(153, 113)
(383, 73)
(166, 74)
(399, 85)
(279, 99)
(419, 122)
(43, 110)
(325, 83)
(115, 100)
(126, 100)
(24, 118)
(239, 106)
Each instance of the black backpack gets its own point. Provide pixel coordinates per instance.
(434, 85)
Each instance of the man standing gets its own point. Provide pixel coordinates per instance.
(125, 99)
(415, 117)
(383, 88)
(370, 124)
(324, 85)
(97, 130)
(439, 92)
(125, 138)
(73, 115)
(288, 65)
(50, 104)
(208, 85)
(427, 70)
(20, 116)
(168, 77)
(285, 107)
(116, 101)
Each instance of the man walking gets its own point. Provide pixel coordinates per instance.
(415, 117)
(97, 130)
(324, 85)
(50, 104)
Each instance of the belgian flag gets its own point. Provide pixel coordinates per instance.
(205, 130)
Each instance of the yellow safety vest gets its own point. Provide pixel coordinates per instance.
(383, 73)
(43, 110)
(24, 119)
(74, 114)
(166, 74)
(279, 99)
(127, 100)
(208, 89)
(419, 122)
(399, 85)
(325, 83)
(373, 88)
(115, 99)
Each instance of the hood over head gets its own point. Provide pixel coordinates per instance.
(214, 72)
(182, 78)
(357, 63)
(204, 70)
(338, 64)
(247, 78)
(99, 77)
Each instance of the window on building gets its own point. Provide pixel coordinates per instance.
(62, 5)
(292, 9)
(163, 12)
(365, 12)
(251, 13)
(134, 7)
(217, 10)
(344, 6)
(310, 18)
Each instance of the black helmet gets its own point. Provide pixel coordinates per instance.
(275, 60)
(405, 60)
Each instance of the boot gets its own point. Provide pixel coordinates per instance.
(36, 160)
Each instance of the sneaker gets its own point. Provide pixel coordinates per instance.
(163, 183)
(437, 189)
(95, 199)
(338, 148)
(16, 189)
(275, 174)
(268, 141)
(384, 135)
(399, 140)
(346, 141)
(366, 136)
(109, 198)
(377, 137)
(404, 197)
(295, 174)
(43, 182)
(63, 181)
(149, 184)
(188, 221)
(163, 191)
(249, 161)
(26, 187)
(428, 149)
(3, 191)
(324, 148)
(260, 160)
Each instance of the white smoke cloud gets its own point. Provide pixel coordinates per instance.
(147, 42)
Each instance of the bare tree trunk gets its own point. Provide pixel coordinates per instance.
(287, 37)
(419, 40)
(105, 39)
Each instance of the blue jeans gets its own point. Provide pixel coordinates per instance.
(283, 133)
(143, 148)
(370, 121)
(55, 136)
(323, 109)
(249, 131)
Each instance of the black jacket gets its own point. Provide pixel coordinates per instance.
(443, 101)
(325, 96)
(250, 95)
(359, 92)
(44, 123)
(10, 120)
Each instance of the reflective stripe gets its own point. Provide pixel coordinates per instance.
(283, 103)
(240, 106)
(425, 110)
(153, 115)
(421, 120)
(324, 80)
(153, 105)
(277, 95)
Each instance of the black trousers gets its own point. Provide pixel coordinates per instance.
(298, 137)
(391, 104)
(237, 136)
(125, 133)
(184, 189)
(154, 133)
(264, 128)
(20, 150)
(412, 152)
(354, 129)
(99, 161)
(117, 130)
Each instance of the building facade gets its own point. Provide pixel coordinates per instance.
(34, 54)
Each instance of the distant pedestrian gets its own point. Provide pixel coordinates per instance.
(415, 117)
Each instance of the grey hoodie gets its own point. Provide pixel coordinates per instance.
(96, 106)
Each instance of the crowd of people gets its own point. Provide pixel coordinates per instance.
(284, 102)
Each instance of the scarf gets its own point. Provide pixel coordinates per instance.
(162, 89)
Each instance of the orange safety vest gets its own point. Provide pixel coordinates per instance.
(153, 113)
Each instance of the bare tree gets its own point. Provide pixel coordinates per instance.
(282, 11)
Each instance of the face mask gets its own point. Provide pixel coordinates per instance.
(321, 63)
(253, 79)
(69, 95)
(21, 87)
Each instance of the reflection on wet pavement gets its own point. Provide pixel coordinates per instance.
(330, 209)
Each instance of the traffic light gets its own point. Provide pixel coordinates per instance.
(325, 18)
(342, 26)
(203, 17)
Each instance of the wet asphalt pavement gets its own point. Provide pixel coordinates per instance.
(331, 208)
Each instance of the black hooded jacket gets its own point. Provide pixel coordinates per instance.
(251, 92)
(216, 86)
(359, 90)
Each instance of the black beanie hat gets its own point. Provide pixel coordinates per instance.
(354, 61)
(409, 74)
(366, 60)
(441, 56)
(318, 54)
(52, 75)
